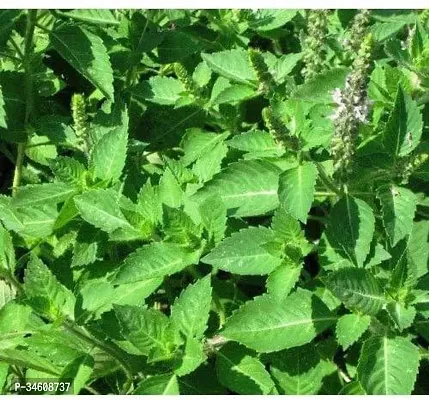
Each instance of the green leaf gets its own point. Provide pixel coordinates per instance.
(100, 208)
(282, 280)
(197, 143)
(160, 90)
(388, 366)
(234, 93)
(176, 46)
(169, 190)
(398, 206)
(7, 293)
(210, 163)
(190, 311)
(350, 327)
(86, 53)
(45, 293)
(350, 229)
(296, 190)
(192, 358)
(68, 170)
(266, 20)
(231, 64)
(402, 316)
(78, 372)
(284, 66)
(95, 17)
(418, 246)
(109, 154)
(243, 253)
(14, 324)
(145, 329)
(319, 89)
(298, 371)
(404, 127)
(159, 384)
(357, 288)
(3, 123)
(240, 370)
(155, 260)
(265, 324)
(247, 188)
(34, 195)
(7, 252)
(213, 217)
(257, 144)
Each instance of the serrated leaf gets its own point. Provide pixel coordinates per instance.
(7, 252)
(388, 366)
(169, 190)
(86, 53)
(68, 170)
(213, 217)
(100, 208)
(404, 128)
(109, 154)
(190, 311)
(266, 325)
(35, 195)
(196, 143)
(46, 294)
(92, 16)
(145, 329)
(402, 316)
(350, 229)
(257, 144)
(282, 280)
(398, 206)
(284, 66)
(78, 372)
(350, 327)
(7, 293)
(266, 20)
(233, 94)
(240, 371)
(247, 188)
(210, 163)
(319, 89)
(231, 64)
(160, 90)
(153, 261)
(357, 288)
(418, 246)
(298, 371)
(243, 253)
(296, 190)
(159, 384)
(192, 358)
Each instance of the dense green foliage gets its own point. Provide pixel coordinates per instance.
(215, 202)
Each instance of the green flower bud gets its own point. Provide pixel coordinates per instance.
(278, 129)
(186, 79)
(258, 64)
(358, 30)
(317, 30)
(80, 121)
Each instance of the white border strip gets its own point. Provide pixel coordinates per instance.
(230, 397)
(213, 4)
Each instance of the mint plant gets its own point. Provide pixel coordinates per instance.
(214, 201)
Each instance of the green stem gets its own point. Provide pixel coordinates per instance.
(85, 336)
(326, 180)
(27, 59)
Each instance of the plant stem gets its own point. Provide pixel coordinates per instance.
(27, 59)
(84, 335)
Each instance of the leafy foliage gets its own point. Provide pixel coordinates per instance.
(215, 201)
